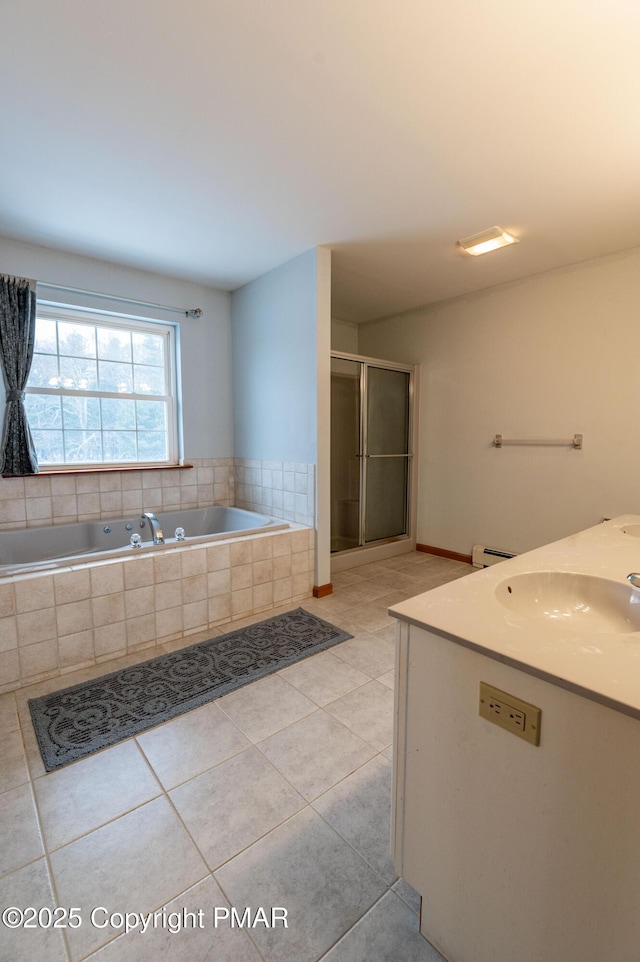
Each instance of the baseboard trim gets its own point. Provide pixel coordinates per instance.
(444, 553)
(321, 591)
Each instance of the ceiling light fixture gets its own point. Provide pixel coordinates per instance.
(487, 240)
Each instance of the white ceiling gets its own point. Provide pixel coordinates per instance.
(217, 139)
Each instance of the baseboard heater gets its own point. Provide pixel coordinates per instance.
(482, 557)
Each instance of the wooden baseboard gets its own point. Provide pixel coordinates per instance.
(321, 591)
(444, 553)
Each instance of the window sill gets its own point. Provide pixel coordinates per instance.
(105, 470)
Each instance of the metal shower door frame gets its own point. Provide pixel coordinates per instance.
(364, 457)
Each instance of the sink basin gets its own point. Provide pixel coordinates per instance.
(572, 601)
(632, 529)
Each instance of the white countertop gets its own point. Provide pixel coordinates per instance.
(601, 665)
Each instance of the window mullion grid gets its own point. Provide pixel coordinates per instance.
(167, 399)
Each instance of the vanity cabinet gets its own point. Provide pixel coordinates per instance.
(521, 853)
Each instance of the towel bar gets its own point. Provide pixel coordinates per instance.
(574, 442)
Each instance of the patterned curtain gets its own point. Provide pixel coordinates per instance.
(17, 334)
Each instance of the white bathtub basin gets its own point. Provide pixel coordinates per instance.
(573, 601)
(52, 546)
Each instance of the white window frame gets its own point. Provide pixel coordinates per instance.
(171, 397)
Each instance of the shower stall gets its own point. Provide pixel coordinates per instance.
(372, 427)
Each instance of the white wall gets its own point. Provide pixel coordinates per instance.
(344, 336)
(274, 333)
(546, 357)
(205, 342)
(323, 474)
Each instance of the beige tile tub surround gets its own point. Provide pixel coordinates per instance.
(281, 489)
(66, 498)
(52, 623)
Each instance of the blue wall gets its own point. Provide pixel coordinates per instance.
(274, 351)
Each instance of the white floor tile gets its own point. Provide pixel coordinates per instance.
(368, 712)
(192, 936)
(359, 809)
(388, 933)
(20, 840)
(265, 706)
(191, 743)
(305, 867)
(81, 797)
(300, 820)
(323, 677)
(316, 753)
(220, 827)
(30, 886)
(136, 863)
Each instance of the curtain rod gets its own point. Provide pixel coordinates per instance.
(193, 312)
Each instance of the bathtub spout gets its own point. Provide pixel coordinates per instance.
(154, 524)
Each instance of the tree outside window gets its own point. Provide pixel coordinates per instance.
(101, 391)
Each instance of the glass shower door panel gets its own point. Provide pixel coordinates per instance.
(345, 454)
(387, 411)
(387, 454)
(386, 501)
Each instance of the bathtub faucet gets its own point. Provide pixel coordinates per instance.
(154, 524)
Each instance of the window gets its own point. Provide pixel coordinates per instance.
(102, 390)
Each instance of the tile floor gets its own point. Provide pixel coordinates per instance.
(277, 794)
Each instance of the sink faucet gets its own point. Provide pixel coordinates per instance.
(634, 578)
(154, 524)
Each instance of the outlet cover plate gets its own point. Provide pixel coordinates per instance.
(511, 713)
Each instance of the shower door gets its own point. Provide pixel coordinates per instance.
(370, 451)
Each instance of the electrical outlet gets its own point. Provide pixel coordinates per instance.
(507, 714)
(510, 713)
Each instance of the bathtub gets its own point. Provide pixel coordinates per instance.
(96, 598)
(39, 549)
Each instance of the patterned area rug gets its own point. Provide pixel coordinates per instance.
(77, 721)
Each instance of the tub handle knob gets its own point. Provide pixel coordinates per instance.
(107, 529)
(179, 534)
(135, 541)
